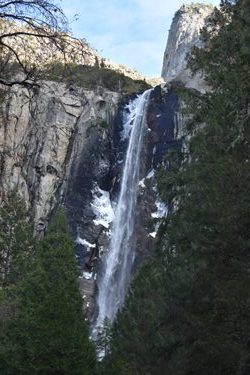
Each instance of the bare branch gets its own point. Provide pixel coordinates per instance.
(40, 11)
(37, 35)
(38, 19)
(15, 53)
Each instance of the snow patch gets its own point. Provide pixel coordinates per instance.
(150, 174)
(82, 241)
(142, 183)
(101, 222)
(161, 212)
(87, 275)
(102, 208)
(153, 234)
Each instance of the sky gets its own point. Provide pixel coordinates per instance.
(129, 32)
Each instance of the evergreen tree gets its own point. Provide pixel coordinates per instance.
(16, 240)
(16, 257)
(49, 335)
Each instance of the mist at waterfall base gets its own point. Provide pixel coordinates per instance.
(117, 264)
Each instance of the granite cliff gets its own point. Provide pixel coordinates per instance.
(183, 35)
(37, 131)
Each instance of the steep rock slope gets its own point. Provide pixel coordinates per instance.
(37, 131)
(183, 35)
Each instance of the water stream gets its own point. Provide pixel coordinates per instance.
(117, 265)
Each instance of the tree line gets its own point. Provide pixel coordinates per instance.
(43, 329)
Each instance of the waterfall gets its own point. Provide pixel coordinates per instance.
(118, 262)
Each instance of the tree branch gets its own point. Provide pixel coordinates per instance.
(15, 53)
(18, 33)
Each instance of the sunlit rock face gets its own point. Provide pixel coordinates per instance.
(183, 35)
(42, 132)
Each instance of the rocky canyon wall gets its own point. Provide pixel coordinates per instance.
(39, 129)
(183, 35)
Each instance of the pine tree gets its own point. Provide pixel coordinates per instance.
(16, 239)
(49, 334)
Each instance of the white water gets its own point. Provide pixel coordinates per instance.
(117, 265)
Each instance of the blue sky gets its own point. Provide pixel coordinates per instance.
(130, 32)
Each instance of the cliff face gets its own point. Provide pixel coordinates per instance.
(183, 35)
(38, 129)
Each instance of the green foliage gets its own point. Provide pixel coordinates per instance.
(189, 310)
(16, 244)
(49, 334)
(92, 77)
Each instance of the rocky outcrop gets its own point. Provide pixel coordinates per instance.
(40, 133)
(183, 35)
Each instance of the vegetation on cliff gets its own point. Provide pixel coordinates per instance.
(188, 311)
(21, 23)
(35, 44)
(94, 77)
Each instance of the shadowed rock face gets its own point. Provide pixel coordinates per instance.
(165, 132)
(183, 35)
